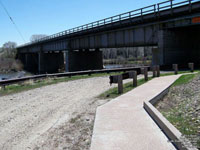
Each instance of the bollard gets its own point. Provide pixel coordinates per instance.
(154, 71)
(191, 66)
(133, 75)
(158, 70)
(120, 84)
(146, 74)
(175, 67)
(134, 78)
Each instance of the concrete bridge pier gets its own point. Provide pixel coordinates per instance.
(177, 46)
(84, 59)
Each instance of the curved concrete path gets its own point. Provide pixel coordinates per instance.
(123, 124)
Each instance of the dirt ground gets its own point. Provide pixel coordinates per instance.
(58, 116)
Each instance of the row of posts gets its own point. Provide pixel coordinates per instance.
(155, 71)
(133, 75)
(190, 65)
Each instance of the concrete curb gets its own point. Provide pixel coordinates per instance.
(172, 133)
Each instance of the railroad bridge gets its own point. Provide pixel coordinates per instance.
(172, 27)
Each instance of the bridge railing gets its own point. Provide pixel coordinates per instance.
(156, 9)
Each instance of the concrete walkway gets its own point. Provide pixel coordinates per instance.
(123, 124)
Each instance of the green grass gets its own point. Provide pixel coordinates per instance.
(184, 124)
(112, 93)
(184, 79)
(180, 72)
(28, 85)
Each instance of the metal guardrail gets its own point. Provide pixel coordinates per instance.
(68, 74)
(156, 9)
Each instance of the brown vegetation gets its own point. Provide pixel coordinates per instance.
(132, 55)
(8, 60)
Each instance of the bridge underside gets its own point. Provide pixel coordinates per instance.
(178, 45)
(53, 62)
(84, 60)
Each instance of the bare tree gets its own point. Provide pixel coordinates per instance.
(36, 37)
(9, 49)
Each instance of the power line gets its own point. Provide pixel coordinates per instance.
(12, 21)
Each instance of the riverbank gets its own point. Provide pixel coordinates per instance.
(9, 65)
(13, 74)
(181, 106)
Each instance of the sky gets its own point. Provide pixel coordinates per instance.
(52, 16)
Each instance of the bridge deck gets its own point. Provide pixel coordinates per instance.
(138, 16)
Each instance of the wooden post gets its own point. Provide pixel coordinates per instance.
(158, 70)
(146, 74)
(134, 78)
(120, 84)
(175, 67)
(191, 66)
(154, 71)
(133, 75)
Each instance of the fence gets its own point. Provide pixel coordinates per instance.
(4, 83)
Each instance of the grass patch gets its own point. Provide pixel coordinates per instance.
(112, 93)
(184, 79)
(185, 124)
(172, 73)
(28, 85)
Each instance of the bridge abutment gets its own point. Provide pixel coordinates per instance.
(177, 46)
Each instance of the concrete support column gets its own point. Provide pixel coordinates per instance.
(177, 46)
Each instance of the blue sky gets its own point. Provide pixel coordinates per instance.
(52, 16)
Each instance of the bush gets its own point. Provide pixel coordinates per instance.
(10, 64)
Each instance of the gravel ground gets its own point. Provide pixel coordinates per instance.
(181, 106)
(59, 116)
